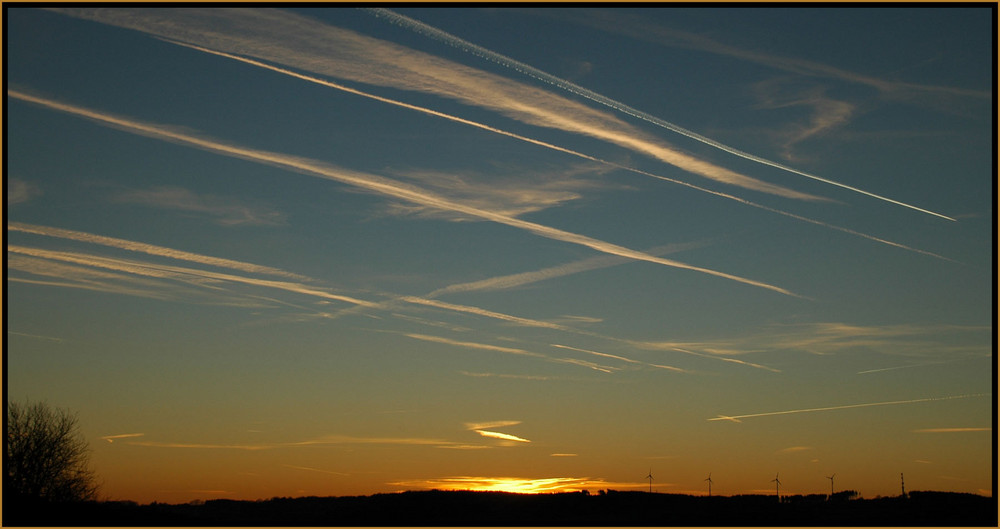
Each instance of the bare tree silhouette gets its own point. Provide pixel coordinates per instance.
(47, 458)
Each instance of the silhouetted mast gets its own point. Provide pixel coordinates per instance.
(650, 476)
(709, 480)
(777, 485)
(831, 483)
(902, 486)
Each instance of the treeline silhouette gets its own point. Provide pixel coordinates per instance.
(467, 508)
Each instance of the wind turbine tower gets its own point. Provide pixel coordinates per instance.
(831, 483)
(902, 486)
(709, 480)
(777, 486)
(650, 477)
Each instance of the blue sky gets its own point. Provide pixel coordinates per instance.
(339, 251)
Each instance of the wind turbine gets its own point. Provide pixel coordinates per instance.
(777, 485)
(831, 483)
(709, 480)
(650, 477)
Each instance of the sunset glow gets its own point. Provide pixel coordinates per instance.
(336, 251)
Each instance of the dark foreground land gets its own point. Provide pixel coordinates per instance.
(462, 508)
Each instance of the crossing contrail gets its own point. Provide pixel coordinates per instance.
(373, 183)
(540, 143)
(456, 42)
(736, 418)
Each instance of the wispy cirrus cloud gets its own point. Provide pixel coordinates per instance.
(527, 322)
(150, 249)
(621, 358)
(523, 68)
(511, 350)
(490, 424)
(529, 192)
(225, 210)
(20, 191)
(377, 184)
(640, 28)
(308, 44)
(474, 345)
(204, 279)
(527, 278)
(826, 113)
(689, 185)
(160, 281)
(826, 338)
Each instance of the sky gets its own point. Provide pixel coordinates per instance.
(333, 251)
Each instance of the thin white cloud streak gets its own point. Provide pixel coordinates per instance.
(490, 425)
(227, 211)
(456, 42)
(86, 278)
(37, 336)
(585, 363)
(526, 278)
(824, 338)
(202, 278)
(639, 28)
(831, 337)
(669, 346)
(474, 345)
(736, 418)
(622, 358)
(502, 436)
(899, 367)
(375, 184)
(159, 291)
(308, 44)
(509, 350)
(483, 312)
(111, 438)
(550, 146)
(531, 192)
(150, 249)
(827, 113)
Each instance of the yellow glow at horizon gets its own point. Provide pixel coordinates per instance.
(509, 484)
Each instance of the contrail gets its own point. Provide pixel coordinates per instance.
(148, 249)
(504, 436)
(530, 71)
(111, 438)
(540, 143)
(547, 145)
(735, 418)
(898, 367)
(375, 184)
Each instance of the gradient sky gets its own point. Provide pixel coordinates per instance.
(334, 251)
